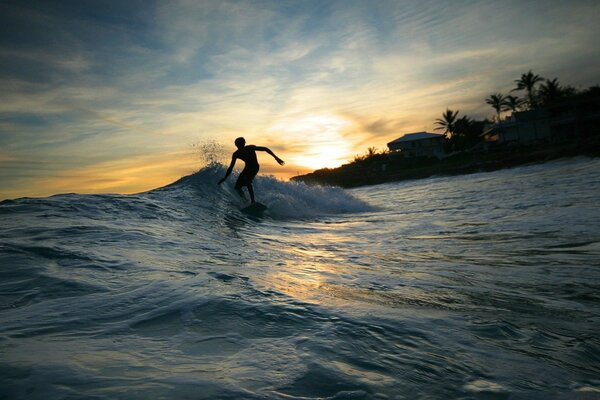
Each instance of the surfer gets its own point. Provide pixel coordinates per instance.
(248, 155)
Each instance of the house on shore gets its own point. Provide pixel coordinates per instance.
(521, 127)
(567, 121)
(418, 144)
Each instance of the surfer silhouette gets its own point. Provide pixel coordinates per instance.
(248, 155)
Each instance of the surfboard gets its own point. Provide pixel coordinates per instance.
(256, 209)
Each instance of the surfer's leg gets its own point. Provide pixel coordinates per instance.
(251, 191)
(238, 188)
(251, 174)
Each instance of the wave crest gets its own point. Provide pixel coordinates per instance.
(283, 199)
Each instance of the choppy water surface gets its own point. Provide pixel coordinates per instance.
(483, 286)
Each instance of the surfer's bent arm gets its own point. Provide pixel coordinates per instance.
(233, 158)
(279, 160)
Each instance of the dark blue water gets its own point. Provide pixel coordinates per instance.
(483, 286)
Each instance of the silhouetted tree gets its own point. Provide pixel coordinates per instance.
(447, 122)
(591, 92)
(550, 92)
(513, 103)
(497, 101)
(461, 126)
(569, 92)
(528, 82)
(468, 132)
(371, 155)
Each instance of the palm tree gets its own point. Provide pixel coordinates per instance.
(497, 101)
(513, 103)
(447, 122)
(467, 133)
(461, 125)
(528, 82)
(550, 91)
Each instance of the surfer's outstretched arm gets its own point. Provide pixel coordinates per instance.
(279, 160)
(233, 158)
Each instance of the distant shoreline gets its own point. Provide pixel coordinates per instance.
(384, 168)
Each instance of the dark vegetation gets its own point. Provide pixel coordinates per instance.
(465, 145)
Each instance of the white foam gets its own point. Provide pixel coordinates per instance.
(298, 200)
(482, 385)
(284, 199)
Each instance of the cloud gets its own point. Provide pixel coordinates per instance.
(130, 80)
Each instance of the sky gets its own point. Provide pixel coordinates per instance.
(124, 96)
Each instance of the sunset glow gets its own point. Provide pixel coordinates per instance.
(117, 88)
(319, 140)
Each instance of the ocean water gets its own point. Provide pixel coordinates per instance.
(482, 286)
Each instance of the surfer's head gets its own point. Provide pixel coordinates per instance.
(240, 142)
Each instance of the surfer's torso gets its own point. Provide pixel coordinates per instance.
(248, 155)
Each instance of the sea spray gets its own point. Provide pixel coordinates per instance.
(209, 151)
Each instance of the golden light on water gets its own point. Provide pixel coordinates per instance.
(309, 272)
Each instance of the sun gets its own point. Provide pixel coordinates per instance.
(316, 141)
(318, 157)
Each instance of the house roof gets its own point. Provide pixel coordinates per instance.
(409, 137)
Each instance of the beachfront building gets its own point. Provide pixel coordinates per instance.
(575, 120)
(521, 127)
(418, 144)
(571, 120)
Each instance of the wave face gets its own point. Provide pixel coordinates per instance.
(479, 286)
(284, 199)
